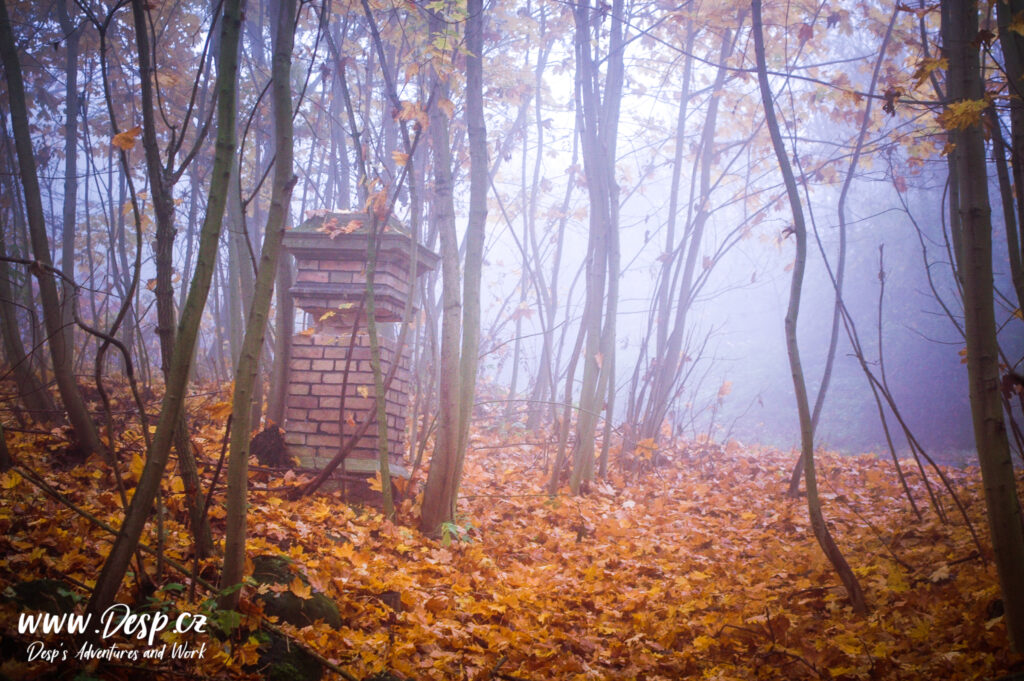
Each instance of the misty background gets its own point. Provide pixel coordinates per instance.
(740, 385)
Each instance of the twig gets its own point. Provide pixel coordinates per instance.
(878, 535)
(497, 665)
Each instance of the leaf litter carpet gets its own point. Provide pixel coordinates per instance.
(700, 567)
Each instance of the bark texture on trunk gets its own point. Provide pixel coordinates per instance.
(441, 478)
(959, 46)
(259, 310)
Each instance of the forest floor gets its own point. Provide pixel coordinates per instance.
(700, 567)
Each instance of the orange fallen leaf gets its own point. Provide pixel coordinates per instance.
(300, 589)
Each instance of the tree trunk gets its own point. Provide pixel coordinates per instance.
(959, 33)
(669, 360)
(256, 325)
(161, 184)
(1012, 45)
(282, 342)
(70, 199)
(833, 343)
(598, 114)
(239, 279)
(441, 483)
(34, 394)
(112, 573)
(821, 531)
(60, 351)
(476, 129)
(5, 455)
(161, 188)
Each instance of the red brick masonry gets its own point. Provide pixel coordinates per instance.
(330, 285)
(314, 416)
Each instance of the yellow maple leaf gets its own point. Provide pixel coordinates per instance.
(299, 589)
(126, 140)
(137, 465)
(963, 114)
(408, 112)
(702, 643)
(220, 410)
(925, 68)
(248, 653)
(10, 479)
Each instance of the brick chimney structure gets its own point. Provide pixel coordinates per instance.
(331, 361)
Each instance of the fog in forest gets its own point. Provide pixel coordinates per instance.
(741, 385)
(737, 382)
(512, 339)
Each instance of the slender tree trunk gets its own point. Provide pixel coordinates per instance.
(60, 351)
(161, 188)
(1012, 44)
(821, 531)
(478, 181)
(252, 344)
(549, 354)
(194, 183)
(5, 455)
(112, 573)
(441, 483)
(833, 343)
(543, 380)
(34, 394)
(379, 396)
(598, 114)
(959, 33)
(669, 360)
(161, 184)
(239, 271)
(282, 341)
(1007, 199)
(70, 199)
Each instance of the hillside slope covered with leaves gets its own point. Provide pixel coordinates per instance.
(699, 567)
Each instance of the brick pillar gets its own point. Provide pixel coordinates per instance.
(315, 418)
(330, 285)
